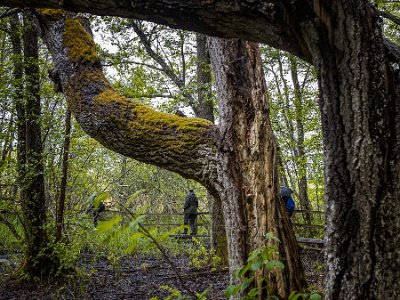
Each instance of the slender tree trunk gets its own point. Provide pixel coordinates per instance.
(64, 176)
(205, 106)
(37, 258)
(249, 167)
(205, 109)
(301, 160)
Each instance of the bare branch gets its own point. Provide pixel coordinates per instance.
(10, 12)
(391, 17)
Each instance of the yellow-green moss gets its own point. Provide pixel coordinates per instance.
(154, 119)
(109, 96)
(80, 44)
(139, 122)
(53, 14)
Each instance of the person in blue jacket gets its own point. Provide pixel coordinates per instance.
(286, 195)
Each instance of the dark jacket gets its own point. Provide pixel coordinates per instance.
(191, 204)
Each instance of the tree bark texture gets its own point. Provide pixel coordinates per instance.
(360, 119)
(248, 163)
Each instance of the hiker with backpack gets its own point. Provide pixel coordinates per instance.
(190, 212)
(286, 195)
(96, 208)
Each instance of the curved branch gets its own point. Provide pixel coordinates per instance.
(258, 20)
(183, 145)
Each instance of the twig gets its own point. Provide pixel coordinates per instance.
(178, 276)
(10, 12)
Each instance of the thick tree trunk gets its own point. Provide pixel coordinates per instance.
(360, 119)
(248, 171)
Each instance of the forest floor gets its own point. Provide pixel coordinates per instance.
(141, 279)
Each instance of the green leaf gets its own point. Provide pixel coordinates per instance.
(133, 197)
(243, 271)
(134, 224)
(253, 293)
(107, 225)
(231, 290)
(256, 266)
(272, 264)
(253, 254)
(315, 297)
(245, 284)
(295, 295)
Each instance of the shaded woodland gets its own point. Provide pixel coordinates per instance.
(133, 114)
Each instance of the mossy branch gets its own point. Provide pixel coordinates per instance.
(184, 145)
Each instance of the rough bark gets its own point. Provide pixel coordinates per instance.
(360, 121)
(257, 20)
(248, 163)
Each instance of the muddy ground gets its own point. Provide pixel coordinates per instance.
(139, 278)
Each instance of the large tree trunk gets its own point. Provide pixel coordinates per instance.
(249, 168)
(360, 120)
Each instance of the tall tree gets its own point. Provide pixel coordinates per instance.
(359, 100)
(64, 177)
(248, 161)
(37, 259)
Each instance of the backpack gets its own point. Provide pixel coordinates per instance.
(289, 204)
